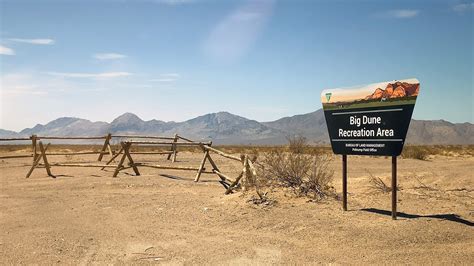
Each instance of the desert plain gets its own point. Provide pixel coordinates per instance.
(85, 216)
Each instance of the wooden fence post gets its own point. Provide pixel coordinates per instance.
(105, 147)
(35, 162)
(126, 151)
(247, 174)
(126, 154)
(201, 167)
(244, 170)
(213, 164)
(113, 157)
(173, 149)
(120, 164)
(33, 147)
(45, 160)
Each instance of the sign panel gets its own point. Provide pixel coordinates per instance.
(371, 119)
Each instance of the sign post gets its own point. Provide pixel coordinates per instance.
(394, 187)
(370, 120)
(344, 182)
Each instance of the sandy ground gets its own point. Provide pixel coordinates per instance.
(85, 216)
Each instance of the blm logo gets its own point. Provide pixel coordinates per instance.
(328, 96)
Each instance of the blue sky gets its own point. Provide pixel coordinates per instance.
(176, 59)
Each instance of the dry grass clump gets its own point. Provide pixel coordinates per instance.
(297, 144)
(378, 184)
(422, 188)
(304, 171)
(415, 152)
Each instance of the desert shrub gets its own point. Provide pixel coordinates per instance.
(304, 171)
(377, 183)
(297, 144)
(320, 176)
(415, 152)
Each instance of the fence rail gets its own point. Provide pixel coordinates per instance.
(71, 138)
(142, 137)
(13, 139)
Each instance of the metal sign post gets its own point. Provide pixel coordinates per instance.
(394, 187)
(344, 182)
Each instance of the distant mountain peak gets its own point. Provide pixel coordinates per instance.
(227, 116)
(219, 118)
(64, 119)
(224, 113)
(127, 117)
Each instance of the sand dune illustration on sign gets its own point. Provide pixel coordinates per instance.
(399, 92)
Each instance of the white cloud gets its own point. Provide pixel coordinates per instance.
(33, 41)
(463, 7)
(235, 34)
(169, 77)
(19, 84)
(400, 13)
(109, 56)
(104, 75)
(6, 51)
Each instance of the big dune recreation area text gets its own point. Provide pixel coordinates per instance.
(363, 132)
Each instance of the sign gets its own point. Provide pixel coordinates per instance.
(371, 119)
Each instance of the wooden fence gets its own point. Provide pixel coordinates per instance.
(247, 172)
(39, 153)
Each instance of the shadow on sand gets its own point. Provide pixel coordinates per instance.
(448, 217)
(184, 179)
(226, 185)
(54, 176)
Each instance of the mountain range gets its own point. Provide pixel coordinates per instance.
(227, 128)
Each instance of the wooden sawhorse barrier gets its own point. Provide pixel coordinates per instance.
(171, 153)
(37, 157)
(126, 154)
(248, 170)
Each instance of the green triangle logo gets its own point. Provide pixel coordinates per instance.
(328, 96)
